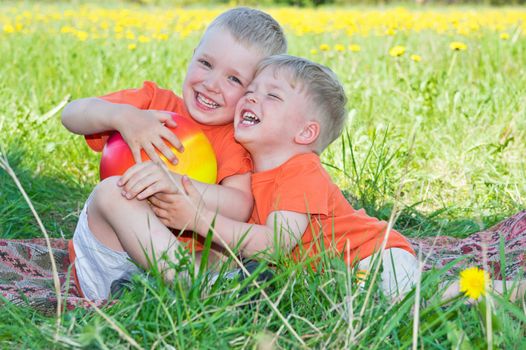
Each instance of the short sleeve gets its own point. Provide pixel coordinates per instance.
(140, 98)
(149, 96)
(302, 187)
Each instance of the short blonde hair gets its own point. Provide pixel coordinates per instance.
(252, 28)
(324, 91)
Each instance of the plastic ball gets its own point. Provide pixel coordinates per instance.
(198, 160)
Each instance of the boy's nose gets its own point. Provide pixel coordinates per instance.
(211, 84)
(251, 99)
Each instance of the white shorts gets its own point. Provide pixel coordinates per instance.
(399, 271)
(97, 266)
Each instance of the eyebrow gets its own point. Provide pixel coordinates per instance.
(274, 87)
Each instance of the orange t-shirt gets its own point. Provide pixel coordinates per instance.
(232, 158)
(302, 185)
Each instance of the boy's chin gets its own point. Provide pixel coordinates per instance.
(242, 139)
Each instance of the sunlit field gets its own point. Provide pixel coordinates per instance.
(437, 128)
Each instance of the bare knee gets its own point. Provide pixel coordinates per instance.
(106, 195)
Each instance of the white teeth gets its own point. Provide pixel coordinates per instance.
(207, 102)
(249, 118)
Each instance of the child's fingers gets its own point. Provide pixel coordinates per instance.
(166, 151)
(165, 118)
(161, 214)
(188, 186)
(149, 190)
(139, 181)
(136, 153)
(152, 154)
(164, 198)
(130, 173)
(157, 203)
(172, 139)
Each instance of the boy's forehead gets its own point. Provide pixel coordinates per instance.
(220, 33)
(280, 75)
(219, 45)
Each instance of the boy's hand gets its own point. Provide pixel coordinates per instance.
(146, 130)
(178, 210)
(146, 179)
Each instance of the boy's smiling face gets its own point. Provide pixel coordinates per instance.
(217, 76)
(272, 114)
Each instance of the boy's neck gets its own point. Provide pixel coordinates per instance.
(264, 160)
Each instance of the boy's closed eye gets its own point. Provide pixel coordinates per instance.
(274, 96)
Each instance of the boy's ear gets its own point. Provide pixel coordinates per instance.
(309, 134)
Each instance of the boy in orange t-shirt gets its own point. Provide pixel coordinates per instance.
(121, 224)
(292, 111)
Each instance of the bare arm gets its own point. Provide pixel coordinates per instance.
(92, 115)
(232, 198)
(282, 229)
(141, 129)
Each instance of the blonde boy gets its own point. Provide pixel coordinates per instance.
(292, 111)
(121, 224)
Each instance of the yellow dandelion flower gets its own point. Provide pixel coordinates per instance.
(390, 31)
(324, 47)
(361, 276)
(81, 35)
(473, 282)
(504, 36)
(162, 37)
(144, 39)
(355, 48)
(313, 52)
(132, 47)
(9, 28)
(416, 58)
(397, 51)
(67, 29)
(458, 46)
(339, 48)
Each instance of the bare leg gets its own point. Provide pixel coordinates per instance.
(131, 226)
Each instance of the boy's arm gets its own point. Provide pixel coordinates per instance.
(141, 129)
(232, 198)
(282, 229)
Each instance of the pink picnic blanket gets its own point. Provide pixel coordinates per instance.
(26, 276)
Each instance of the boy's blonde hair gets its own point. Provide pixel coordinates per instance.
(324, 92)
(252, 28)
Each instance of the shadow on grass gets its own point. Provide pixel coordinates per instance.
(56, 201)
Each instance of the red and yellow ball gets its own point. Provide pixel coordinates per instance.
(198, 160)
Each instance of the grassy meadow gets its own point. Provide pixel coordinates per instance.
(437, 128)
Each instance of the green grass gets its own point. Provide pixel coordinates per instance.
(443, 138)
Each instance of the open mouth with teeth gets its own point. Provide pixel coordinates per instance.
(205, 101)
(249, 118)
